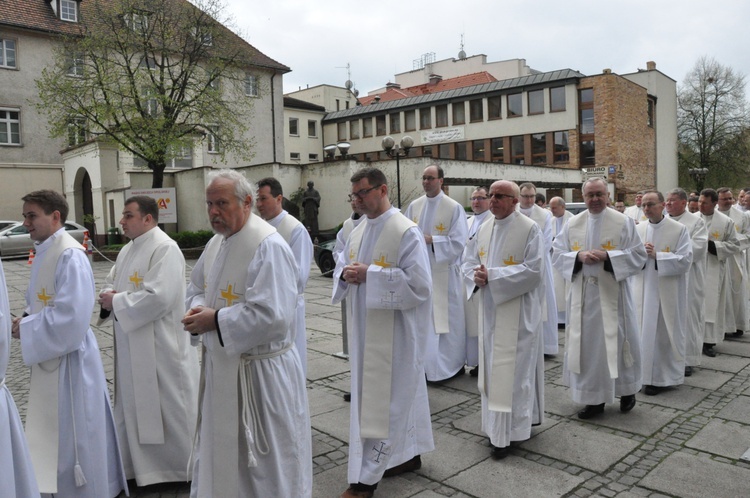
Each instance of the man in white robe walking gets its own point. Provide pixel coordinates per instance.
(561, 217)
(635, 212)
(268, 204)
(156, 367)
(505, 263)
(737, 264)
(384, 273)
(662, 296)
(443, 223)
(597, 253)
(69, 423)
(254, 434)
(696, 321)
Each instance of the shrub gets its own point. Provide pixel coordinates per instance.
(189, 240)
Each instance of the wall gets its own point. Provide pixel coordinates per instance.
(20, 179)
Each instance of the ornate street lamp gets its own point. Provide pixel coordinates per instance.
(392, 149)
(699, 176)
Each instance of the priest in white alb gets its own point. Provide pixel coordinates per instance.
(156, 367)
(661, 295)
(561, 217)
(69, 424)
(505, 262)
(254, 427)
(737, 264)
(597, 252)
(384, 273)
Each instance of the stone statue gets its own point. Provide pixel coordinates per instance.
(311, 203)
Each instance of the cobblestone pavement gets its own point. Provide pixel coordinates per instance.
(684, 442)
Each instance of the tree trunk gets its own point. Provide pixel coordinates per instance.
(157, 177)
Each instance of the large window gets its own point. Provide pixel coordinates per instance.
(69, 10)
(515, 105)
(76, 130)
(380, 125)
(650, 112)
(410, 121)
(517, 152)
(586, 124)
(294, 127)
(476, 110)
(494, 107)
(7, 52)
(444, 151)
(588, 153)
(312, 128)
(75, 64)
(459, 113)
(214, 145)
(587, 121)
(460, 151)
(536, 101)
(341, 130)
(367, 127)
(396, 123)
(498, 150)
(539, 148)
(354, 129)
(441, 115)
(477, 150)
(251, 85)
(425, 118)
(557, 99)
(562, 149)
(10, 127)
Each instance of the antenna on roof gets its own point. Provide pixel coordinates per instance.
(349, 84)
(425, 59)
(461, 53)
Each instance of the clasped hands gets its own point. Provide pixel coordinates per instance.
(355, 273)
(592, 257)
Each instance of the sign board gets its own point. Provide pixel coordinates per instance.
(612, 170)
(165, 199)
(442, 135)
(598, 171)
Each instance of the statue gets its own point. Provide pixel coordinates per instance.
(311, 203)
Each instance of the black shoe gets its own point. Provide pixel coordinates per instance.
(709, 351)
(591, 411)
(549, 357)
(348, 397)
(651, 390)
(688, 371)
(499, 453)
(474, 372)
(627, 403)
(739, 333)
(408, 466)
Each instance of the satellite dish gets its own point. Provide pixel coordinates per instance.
(355, 92)
(348, 84)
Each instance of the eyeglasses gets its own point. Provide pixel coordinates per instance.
(361, 193)
(479, 199)
(529, 196)
(499, 197)
(428, 178)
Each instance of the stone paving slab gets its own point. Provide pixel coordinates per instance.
(325, 366)
(681, 397)
(557, 400)
(725, 362)
(707, 379)
(440, 399)
(471, 423)
(725, 438)
(581, 445)
(516, 477)
(644, 419)
(322, 401)
(738, 410)
(451, 455)
(333, 482)
(686, 475)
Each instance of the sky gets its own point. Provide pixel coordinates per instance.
(317, 39)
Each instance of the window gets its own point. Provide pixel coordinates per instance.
(587, 121)
(137, 21)
(427, 151)
(366, 127)
(515, 105)
(312, 158)
(76, 130)
(536, 101)
(354, 129)
(294, 127)
(650, 112)
(459, 113)
(396, 123)
(7, 52)
(586, 95)
(380, 125)
(562, 149)
(148, 63)
(251, 85)
(312, 128)
(444, 151)
(150, 103)
(75, 64)
(294, 156)
(517, 153)
(10, 127)
(214, 144)
(460, 151)
(441, 115)
(341, 130)
(425, 119)
(494, 107)
(69, 10)
(476, 110)
(477, 150)
(410, 121)
(498, 150)
(203, 35)
(557, 99)
(588, 153)
(539, 148)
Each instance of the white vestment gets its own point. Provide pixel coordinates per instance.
(157, 369)
(471, 307)
(404, 287)
(662, 299)
(445, 354)
(61, 331)
(635, 213)
(595, 384)
(545, 221)
(299, 240)
(18, 479)
(560, 287)
(696, 322)
(722, 245)
(256, 324)
(508, 281)
(737, 269)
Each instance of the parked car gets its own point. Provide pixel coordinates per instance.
(15, 239)
(323, 254)
(6, 223)
(575, 207)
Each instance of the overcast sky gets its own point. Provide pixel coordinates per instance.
(317, 39)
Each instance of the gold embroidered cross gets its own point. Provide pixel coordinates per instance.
(576, 246)
(608, 246)
(715, 235)
(351, 255)
(381, 262)
(510, 261)
(666, 249)
(482, 252)
(440, 228)
(135, 279)
(44, 297)
(229, 296)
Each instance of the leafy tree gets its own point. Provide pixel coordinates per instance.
(712, 124)
(153, 78)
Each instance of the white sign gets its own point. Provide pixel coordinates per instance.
(165, 198)
(598, 171)
(442, 135)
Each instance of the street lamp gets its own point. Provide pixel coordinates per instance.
(699, 176)
(392, 149)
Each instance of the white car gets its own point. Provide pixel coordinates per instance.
(15, 240)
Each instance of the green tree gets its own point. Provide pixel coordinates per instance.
(712, 123)
(153, 78)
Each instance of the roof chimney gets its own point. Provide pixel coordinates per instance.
(376, 99)
(606, 71)
(392, 85)
(435, 79)
(651, 65)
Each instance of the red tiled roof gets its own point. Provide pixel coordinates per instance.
(426, 88)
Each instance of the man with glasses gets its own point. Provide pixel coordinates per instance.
(661, 294)
(737, 264)
(384, 273)
(480, 204)
(443, 223)
(543, 218)
(597, 251)
(268, 204)
(696, 320)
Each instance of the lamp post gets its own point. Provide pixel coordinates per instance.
(699, 176)
(392, 149)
